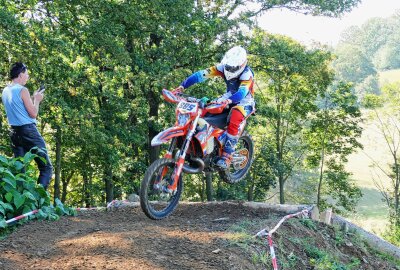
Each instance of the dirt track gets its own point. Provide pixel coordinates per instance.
(194, 237)
(126, 239)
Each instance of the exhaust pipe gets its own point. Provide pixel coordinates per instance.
(192, 170)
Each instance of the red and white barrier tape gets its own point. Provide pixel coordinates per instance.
(80, 209)
(22, 216)
(114, 203)
(265, 232)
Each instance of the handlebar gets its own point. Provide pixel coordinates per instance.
(188, 98)
(176, 98)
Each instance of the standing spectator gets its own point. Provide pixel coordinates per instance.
(22, 110)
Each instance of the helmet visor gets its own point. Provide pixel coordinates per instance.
(232, 68)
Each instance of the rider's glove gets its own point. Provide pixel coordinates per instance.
(178, 90)
(204, 100)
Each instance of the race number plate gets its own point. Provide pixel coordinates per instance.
(187, 107)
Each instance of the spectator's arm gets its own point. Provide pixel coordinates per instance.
(32, 107)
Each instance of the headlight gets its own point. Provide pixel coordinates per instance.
(183, 119)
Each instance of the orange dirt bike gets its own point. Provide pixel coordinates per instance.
(196, 142)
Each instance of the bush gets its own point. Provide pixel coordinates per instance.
(392, 233)
(19, 193)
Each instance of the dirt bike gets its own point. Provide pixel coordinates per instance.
(196, 143)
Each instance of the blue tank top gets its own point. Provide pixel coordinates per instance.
(17, 115)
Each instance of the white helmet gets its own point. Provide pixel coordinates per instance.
(234, 62)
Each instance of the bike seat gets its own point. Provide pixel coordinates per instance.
(217, 120)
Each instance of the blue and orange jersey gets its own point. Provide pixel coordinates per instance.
(239, 88)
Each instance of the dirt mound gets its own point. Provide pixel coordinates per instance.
(196, 236)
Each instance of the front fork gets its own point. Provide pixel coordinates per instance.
(164, 170)
(182, 155)
(181, 159)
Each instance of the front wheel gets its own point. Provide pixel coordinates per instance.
(241, 160)
(155, 200)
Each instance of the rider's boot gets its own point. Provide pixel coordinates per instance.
(225, 160)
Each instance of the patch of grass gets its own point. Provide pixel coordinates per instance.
(322, 260)
(255, 247)
(260, 258)
(242, 226)
(359, 241)
(309, 223)
(384, 256)
(242, 235)
(339, 236)
(289, 261)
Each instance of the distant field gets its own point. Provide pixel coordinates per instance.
(389, 76)
(371, 211)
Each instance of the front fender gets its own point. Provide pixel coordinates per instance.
(168, 134)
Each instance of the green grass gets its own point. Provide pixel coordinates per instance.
(319, 258)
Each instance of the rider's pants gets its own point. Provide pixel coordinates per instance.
(237, 116)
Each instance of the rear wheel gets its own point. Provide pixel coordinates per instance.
(155, 200)
(241, 160)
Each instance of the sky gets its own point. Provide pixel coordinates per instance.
(307, 28)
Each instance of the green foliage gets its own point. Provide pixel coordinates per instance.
(352, 64)
(231, 192)
(369, 85)
(388, 125)
(372, 101)
(105, 63)
(19, 193)
(320, 259)
(314, 7)
(332, 137)
(367, 49)
(344, 192)
(309, 223)
(293, 78)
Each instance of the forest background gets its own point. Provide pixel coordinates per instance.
(104, 64)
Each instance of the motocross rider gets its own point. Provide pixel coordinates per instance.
(239, 79)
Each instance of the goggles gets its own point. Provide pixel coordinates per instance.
(232, 68)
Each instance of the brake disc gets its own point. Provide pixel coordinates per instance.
(240, 159)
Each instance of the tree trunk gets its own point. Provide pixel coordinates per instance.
(202, 188)
(154, 152)
(321, 172)
(396, 192)
(218, 193)
(281, 190)
(65, 181)
(58, 164)
(320, 176)
(279, 149)
(281, 178)
(250, 191)
(86, 189)
(209, 187)
(108, 175)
